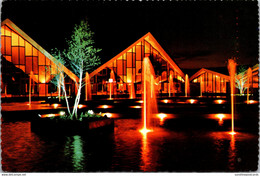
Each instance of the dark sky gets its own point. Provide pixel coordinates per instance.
(194, 34)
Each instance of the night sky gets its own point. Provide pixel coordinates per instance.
(194, 34)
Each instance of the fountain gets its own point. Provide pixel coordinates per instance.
(30, 87)
(111, 81)
(201, 85)
(249, 76)
(132, 91)
(59, 86)
(170, 83)
(149, 96)
(232, 71)
(88, 95)
(187, 85)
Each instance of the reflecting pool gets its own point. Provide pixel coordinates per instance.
(126, 149)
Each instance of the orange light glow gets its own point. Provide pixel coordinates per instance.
(109, 115)
(219, 101)
(165, 101)
(81, 106)
(137, 107)
(104, 106)
(49, 115)
(140, 101)
(55, 105)
(251, 102)
(62, 113)
(144, 131)
(220, 116)
(161, 116)
(192, 101)
(232, 133)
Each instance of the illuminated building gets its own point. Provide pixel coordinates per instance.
(210, 81)
(127, 65)
(22, 55)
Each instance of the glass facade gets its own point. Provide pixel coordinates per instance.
(19, 59)
(212, 82)
(127, 67)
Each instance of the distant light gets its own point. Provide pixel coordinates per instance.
(105, 106)
(80, 106)
(144, 131)
(109, 115)
(232, 133)
(161, 116)
(62, 113)
(192, 101)
(165, 101)
(110, 80)
(51, 115)
(137, 107)
(55, 105)
(90, 112)
(140, 101)
(219, 101)
(251, 102)
(220, 116)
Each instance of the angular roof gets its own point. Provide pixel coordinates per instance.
(10, 24)
(148, 37)
(203, 70)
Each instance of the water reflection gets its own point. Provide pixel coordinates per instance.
(74, 148)
(145, 154)
(232, 153)
(127, 150)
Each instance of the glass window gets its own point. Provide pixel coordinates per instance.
(8, 45)
(42, 89)
(8, 58)
(22, 55)
(120, 67)
(21, 41)
(15, 55)
(129, 59)
(209, 82)
(41, 59)
(14, 39)
(42, 74)
(3, 44)
(35, 65)
(129, 75)
(7, 31)
(28, 65)
(22, 67)
(35, 52)
(48, 62)
(138, 52)
(28, 49)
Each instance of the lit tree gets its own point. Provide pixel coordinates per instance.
(81, 57)
(241, 80)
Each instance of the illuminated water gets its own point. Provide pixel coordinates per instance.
(88, 95)
(128, 150)
(149, 95)
(232, 73)
(249, 75)
(187, 85)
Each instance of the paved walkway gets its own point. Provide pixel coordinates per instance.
(23, 106)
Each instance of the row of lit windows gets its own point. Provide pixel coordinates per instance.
(211, 83)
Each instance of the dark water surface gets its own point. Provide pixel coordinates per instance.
(127, 150)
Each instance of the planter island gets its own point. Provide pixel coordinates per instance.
(59, 124)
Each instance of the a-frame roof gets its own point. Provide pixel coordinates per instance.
(148, 37)
(10, 24)
(203, 70)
